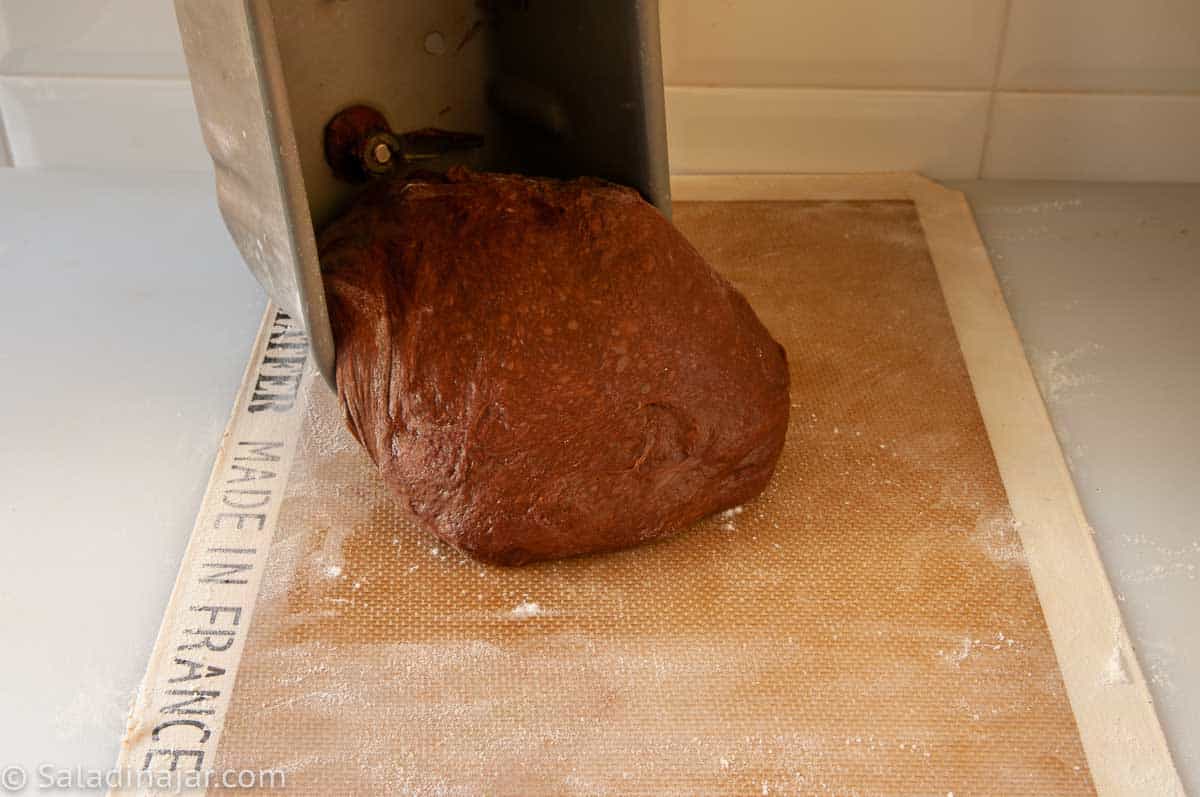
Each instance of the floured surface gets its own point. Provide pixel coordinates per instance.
(867, 626)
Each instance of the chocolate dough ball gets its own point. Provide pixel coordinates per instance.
(543, 368)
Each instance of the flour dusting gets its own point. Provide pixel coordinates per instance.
(728, 516)
(1060, 374)
(1166, 562)
(1043, 206)
(959, 653)
(327, 432)
(998, 534)
(1115, 672)
(527, 609)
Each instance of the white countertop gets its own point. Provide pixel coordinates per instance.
(127, 315)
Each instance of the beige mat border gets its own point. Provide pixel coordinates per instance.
(175, 723)
(1126, 750)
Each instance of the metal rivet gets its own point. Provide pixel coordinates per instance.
(435, 43)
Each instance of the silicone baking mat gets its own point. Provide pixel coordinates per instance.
(869, 625)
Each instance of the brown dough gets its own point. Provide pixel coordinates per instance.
(545, 368)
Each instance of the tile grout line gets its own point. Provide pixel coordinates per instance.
(1189, 94)
(115, 77)
(819, 87)
(805, 87)
(991, 109)
(932, 89)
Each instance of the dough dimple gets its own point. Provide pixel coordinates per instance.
(546, 368)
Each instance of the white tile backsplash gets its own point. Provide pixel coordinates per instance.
(1103, 45)
(753, 85)
(727, 130)
(4, 46)
(97, 122)
(1094, 137)
(852, 43)
(90, 37)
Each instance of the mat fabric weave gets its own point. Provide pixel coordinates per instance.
(867, 626)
